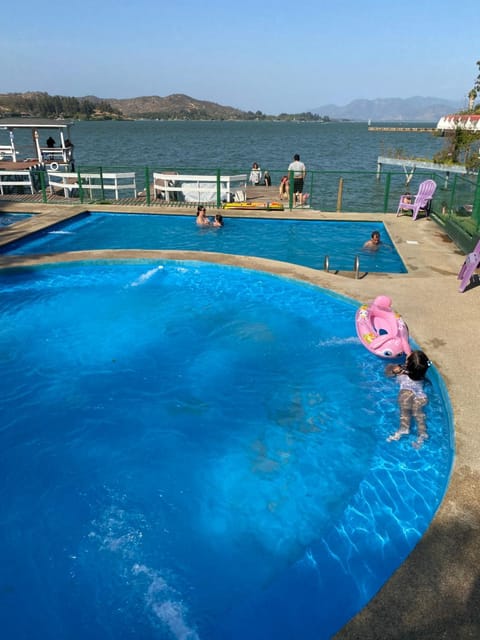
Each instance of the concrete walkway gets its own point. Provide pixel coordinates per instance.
(435, 594)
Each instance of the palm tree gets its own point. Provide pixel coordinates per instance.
(472, 96)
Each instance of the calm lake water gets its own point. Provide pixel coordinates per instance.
(235, 145)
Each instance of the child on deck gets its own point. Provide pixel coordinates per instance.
(406, 199)
(284, 188)
(411, 398)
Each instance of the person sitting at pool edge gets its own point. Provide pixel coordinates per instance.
(374, 241)
(202, 219)
(218, 222)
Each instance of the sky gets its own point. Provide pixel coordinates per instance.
(281, 57)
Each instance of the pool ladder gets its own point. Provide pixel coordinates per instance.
(356, 265)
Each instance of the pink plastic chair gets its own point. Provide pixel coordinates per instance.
(421, 200)
(472, 262)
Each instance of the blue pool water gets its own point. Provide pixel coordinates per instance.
(6, 219)
(190, 451)
(303, 242)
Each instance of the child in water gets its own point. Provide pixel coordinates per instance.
(218, 222)
(412, 397)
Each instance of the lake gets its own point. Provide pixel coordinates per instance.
(345, 146)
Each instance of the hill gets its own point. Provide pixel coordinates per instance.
(177, 105)
(414, 109)
(174, 107)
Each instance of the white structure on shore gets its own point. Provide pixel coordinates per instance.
(470, 122)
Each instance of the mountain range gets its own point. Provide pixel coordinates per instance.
(414, 109)
(182, 107)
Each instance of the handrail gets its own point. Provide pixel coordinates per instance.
(356, 266)
(326, 263)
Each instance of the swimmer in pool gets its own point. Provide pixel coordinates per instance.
(374, 241)
(411, 397)
(202, 219)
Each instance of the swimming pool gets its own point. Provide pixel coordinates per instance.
(196, 451)
(303, 242)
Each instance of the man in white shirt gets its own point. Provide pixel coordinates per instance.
(299, 172)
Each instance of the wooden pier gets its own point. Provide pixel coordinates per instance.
(407, 129)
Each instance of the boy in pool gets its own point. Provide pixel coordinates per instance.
(374, 241)
(218, 222)
(412, 397)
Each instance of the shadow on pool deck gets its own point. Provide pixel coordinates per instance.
(436, 592)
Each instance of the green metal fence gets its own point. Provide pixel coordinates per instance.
(456, 204)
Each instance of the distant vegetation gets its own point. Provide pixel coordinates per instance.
(42, 105)
(173, 107)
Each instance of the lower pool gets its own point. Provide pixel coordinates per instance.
(195, 451)
(303, 242)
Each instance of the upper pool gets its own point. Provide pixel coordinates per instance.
(302, 242)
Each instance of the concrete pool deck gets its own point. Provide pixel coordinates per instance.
(436, 592)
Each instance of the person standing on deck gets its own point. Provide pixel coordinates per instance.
(299, 172)
(255, 175)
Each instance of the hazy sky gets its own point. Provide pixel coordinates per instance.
(273, 57)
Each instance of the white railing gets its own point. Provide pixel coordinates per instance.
(199, 188)
(16, 179)
(92, 183)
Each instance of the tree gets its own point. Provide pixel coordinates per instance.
(473, 93)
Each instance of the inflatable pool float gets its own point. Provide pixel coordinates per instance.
(259, 206)
(381, 330)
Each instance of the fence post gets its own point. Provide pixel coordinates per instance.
(147, 186)
(43, 186)
(219, 190)
(80, 187)
(291, 195)
(476, 203)
(452, 195)
(102, 183)
(387, 192)
(339, 194)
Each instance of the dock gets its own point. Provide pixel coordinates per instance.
(406, 129)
